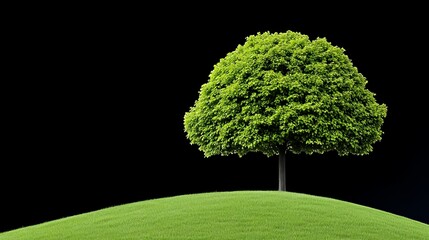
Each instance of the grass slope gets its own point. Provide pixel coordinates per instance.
(229, 215)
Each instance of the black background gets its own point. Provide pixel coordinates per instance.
(95, 113)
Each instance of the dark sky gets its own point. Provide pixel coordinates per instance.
(98, 121)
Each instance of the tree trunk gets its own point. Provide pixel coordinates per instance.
(282, 169)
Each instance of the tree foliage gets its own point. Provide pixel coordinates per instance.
(283, 90)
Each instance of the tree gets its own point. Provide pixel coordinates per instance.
(282, 92)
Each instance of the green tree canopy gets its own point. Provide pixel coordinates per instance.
(283, 91)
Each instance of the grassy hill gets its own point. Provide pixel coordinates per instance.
(229, 215)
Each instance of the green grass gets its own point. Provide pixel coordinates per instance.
(229, 215)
